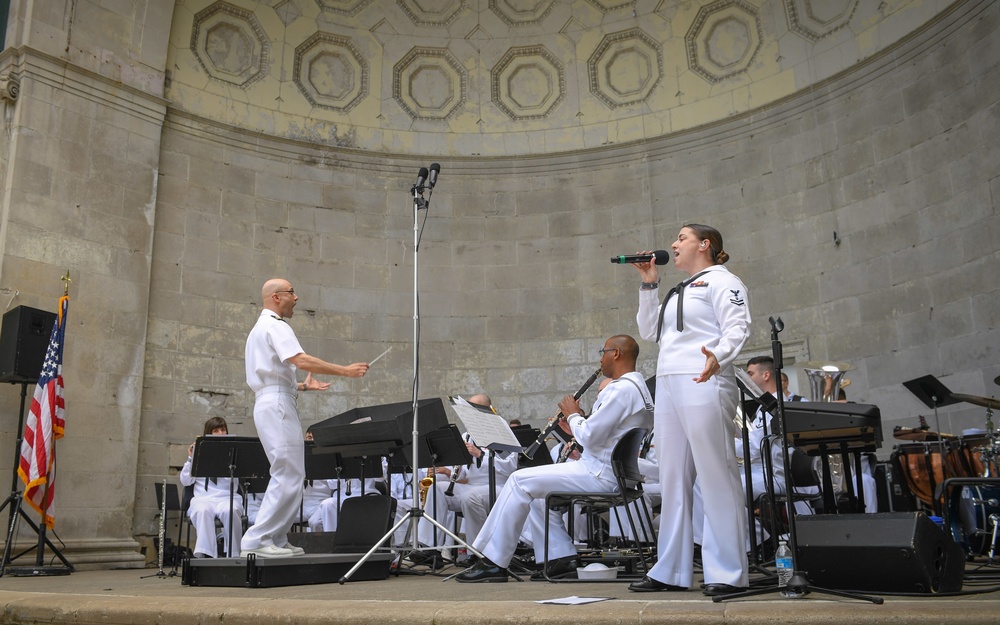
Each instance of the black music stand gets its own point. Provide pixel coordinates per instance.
(526, 435)
(751, 396)
(798, 586)
(325, 463)
(444, 447)
(235, 457)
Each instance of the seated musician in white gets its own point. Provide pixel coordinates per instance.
(470, 492)
(619, 408)
(211, 501)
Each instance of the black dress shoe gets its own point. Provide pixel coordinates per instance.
(714, 590)
(466, 561)
(560, 568)
(483, 571)
(648, 584)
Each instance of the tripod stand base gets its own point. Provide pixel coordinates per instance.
(37, 571)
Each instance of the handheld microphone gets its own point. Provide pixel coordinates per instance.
(421, 177)
(435, 170)
(661, 257)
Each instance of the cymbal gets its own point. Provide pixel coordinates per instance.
(916, 434)
(985, 402)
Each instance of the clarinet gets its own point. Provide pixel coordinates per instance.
(554, 421)
(450, 491)
(568, 450)
(163, 517)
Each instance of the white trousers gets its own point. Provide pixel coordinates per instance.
(443, 509)
(694, 438)
(280, 433)
(203, 512)
(522, 500)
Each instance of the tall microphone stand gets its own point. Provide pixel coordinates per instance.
(798, 586)
(415, 513)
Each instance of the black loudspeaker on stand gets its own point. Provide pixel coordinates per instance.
(24, 339)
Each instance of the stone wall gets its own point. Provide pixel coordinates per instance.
(81, 148)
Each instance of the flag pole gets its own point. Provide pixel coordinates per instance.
(40, 551)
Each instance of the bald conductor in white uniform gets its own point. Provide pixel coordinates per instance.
(272, 356)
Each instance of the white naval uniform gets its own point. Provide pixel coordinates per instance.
(211, 502)
(472, 498)
(401, 489)
(314, 493)
(755, 431)
(694, 427)
(618, 408)
(271, 377)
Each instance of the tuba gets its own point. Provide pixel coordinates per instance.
(826, 379)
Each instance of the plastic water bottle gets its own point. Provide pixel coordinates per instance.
(783, 560)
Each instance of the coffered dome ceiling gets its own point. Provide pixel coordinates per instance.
(511, 77)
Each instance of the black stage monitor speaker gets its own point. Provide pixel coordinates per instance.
(887, 552)
(24, 339)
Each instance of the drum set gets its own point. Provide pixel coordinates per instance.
(930, 458)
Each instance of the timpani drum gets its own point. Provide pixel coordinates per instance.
(926, 465)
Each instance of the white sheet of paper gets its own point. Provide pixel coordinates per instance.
(487, 429)
(574, 600)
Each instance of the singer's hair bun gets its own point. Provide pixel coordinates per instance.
(721, 257)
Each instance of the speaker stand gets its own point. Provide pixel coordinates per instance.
(798, 586)
(14, 500)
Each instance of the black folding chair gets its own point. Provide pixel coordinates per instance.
(625, 464)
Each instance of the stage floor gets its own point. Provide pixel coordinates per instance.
(125, 597)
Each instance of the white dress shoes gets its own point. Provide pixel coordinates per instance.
(296, 551)
(270, 551)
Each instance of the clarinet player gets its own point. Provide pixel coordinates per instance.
(701, 326)
(619, 408)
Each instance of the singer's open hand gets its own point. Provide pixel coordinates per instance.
(711, 366)
(647, 269)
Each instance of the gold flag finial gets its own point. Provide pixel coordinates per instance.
(66, 280)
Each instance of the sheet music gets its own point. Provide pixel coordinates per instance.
(748, 383)
(764, 398)
(487, 429)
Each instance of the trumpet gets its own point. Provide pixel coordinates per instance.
(554, 421)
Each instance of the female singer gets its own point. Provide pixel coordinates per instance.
(701, 328)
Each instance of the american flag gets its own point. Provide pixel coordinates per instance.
(45, 424)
